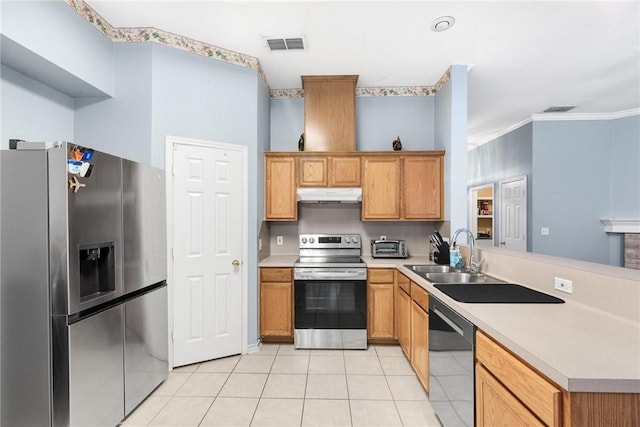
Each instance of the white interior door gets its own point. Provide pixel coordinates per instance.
(208, 238)
(513, 210)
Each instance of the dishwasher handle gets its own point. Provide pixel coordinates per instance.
(449, 322)
(459, 324)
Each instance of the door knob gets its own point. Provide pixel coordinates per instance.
(503, 243)
(235, 263)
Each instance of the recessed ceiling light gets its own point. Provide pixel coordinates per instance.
(443, 23)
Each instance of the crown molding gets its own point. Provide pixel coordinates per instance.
(549, 117)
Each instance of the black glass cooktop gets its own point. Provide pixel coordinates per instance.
(496, 294)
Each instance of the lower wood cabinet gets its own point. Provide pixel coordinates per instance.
(496, 406)
(420, 334)
(536, 397)
(276, 303)
(403, 313)
(380, 303)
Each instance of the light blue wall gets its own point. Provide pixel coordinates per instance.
(625, 168)
(508, 156)
(32, 111)
(287, 123)
(197, 97)
(379, 120)
(257, 209)
(451, 136)
(570, 188)
(55, 32)
(121, 125)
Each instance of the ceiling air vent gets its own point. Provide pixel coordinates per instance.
(293, 43)
(560, 109)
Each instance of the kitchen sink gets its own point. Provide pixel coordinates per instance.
(448, 274)
(430, 268)
(459, 277)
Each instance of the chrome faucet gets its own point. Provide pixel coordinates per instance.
(474, 265)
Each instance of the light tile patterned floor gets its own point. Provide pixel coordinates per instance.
(281, 386)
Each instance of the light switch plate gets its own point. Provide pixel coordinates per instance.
(279, 240)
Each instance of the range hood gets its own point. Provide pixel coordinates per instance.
(329, 195)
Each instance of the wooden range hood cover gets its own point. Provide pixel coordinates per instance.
(330, 113)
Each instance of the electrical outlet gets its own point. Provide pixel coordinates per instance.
(279, 240)
(259, 244)
(544, 231)
(383, 237)
(563, 285)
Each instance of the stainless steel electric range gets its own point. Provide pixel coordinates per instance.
(330, 293)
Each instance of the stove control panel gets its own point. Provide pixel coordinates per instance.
(330, 241)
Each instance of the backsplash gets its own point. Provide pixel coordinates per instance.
(345, 218)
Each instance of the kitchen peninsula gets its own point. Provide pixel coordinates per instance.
(588, 350)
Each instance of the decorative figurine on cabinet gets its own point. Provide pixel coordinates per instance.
(397, 145)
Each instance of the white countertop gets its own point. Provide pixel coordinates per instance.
(579, 348)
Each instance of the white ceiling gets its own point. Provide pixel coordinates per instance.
(524, 55)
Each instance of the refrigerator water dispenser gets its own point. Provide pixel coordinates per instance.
(97, 270)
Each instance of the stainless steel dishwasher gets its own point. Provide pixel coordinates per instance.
(451, 365)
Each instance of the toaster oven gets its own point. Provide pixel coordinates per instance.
(389, 249)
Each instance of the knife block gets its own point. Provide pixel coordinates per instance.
(442, 255)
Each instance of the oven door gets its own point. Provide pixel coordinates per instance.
(330, 313)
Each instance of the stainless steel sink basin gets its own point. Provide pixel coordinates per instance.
(430, 268)
(455, 277)
(447, 274)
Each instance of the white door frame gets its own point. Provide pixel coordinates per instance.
(170, 142)
(526, 213)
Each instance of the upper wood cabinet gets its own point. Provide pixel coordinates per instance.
(395, 186)
(344, 171)
(280, 189)
(422, 188)
(323, 171)
(405, 186)
(329, 113)
(381, 188)
(312, 172)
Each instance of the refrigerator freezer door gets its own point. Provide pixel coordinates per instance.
(144, 209)
(86, 230)
(146, 346)
(96, 371)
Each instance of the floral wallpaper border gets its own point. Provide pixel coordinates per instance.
(143, 34)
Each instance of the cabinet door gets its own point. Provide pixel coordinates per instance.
(404, 322)
(329, 113)
(495, 406)
(380, 308)
(422, 188)
(276, 309)
(312, 172)
(344, 171)
(381, 188)
(380, 303)
(280, 189)
(420, 343)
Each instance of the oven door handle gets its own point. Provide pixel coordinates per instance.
(448, 321)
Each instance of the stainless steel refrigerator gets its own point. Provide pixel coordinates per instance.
(83, 292)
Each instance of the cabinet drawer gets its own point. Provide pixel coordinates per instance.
(404, 283)
(541, 396)
(275, 274)
(420, 296)
(380, 275)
